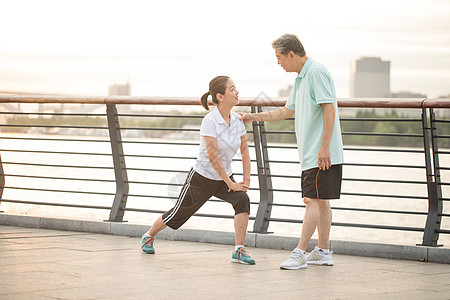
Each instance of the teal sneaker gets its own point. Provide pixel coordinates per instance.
(241, 256)
(147, 244)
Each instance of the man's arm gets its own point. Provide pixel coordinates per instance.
(273, 115)
(324, 156)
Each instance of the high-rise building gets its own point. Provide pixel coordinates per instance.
(120, 89)
(370, 77)
(285, 92)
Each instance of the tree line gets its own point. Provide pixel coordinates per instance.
(399, 125)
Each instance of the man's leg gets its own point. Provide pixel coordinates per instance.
(321, 254)
(324, 225)
(298, 258)
(310, 221)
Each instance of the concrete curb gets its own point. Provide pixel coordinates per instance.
(431, 254)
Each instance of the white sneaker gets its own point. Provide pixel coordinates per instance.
(317, 257)
(296, 261)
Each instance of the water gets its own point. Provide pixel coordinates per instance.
(146, 202)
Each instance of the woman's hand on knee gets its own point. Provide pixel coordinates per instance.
(237, 186)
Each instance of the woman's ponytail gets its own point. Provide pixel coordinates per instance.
(216, 86)
(204, 100)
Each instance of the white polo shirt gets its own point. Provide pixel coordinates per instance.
(228, 142)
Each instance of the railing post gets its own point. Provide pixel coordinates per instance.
(261, 223)
(433, 223)
(438, 207)
(2, 179)
(120, 170)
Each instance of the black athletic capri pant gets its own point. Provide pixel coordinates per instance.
(196, 191)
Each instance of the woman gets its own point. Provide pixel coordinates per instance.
(222, 133)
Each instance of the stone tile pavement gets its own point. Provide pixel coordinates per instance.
(49, 264)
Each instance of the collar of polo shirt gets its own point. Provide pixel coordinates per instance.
(305, 68)
(218, 116)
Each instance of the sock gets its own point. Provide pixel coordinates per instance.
(300, 251)
(237, 246)
(147, 234)
(324, 251)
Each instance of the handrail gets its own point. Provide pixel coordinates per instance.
(274, 102)
(269, 194)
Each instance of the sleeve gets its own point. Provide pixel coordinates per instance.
(290, 103)
(322, 88)
(208, 128)
(242, 129)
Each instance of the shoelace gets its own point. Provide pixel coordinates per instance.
(321, 252)
(243, 251)
(148, 241)
(295, 254)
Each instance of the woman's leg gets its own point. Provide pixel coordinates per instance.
(157, 226)
(194, 193)
(148, 238)
(241, 206)
(240, 228)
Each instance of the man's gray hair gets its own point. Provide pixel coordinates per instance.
(287, 43)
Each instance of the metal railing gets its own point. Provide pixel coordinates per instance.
(118, 135)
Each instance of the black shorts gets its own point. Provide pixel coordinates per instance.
(317, 184)
(196, 191)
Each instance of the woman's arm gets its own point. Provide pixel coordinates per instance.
(211, 149)
(246, 167)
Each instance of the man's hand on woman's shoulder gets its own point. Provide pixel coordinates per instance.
(247, 118)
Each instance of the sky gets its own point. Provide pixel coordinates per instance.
(174, 48)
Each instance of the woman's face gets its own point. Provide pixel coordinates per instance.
(231, 96)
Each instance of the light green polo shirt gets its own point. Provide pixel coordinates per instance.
(314, 86)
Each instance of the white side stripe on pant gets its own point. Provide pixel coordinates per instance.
(180, 198)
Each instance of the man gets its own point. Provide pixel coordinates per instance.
(313, 101)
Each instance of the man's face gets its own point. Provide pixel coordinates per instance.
(285, 61)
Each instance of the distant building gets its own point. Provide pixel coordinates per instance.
(120, 90)
(285, 92)
(370, 77)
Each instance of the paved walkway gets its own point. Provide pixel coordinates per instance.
(48, 264)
